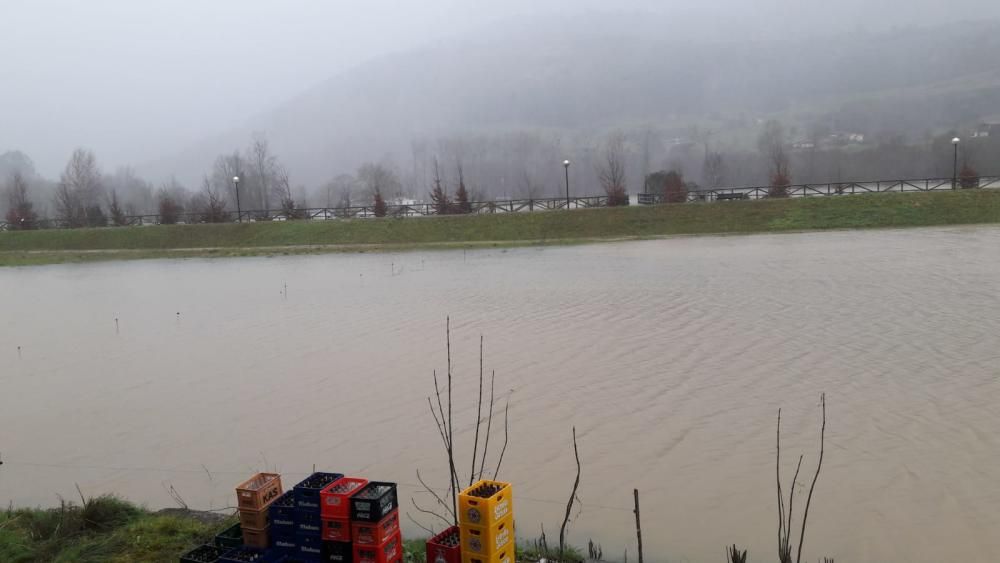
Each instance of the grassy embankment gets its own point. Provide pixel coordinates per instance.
(516, 229)
(111, 530)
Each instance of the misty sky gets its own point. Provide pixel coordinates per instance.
(136, 79)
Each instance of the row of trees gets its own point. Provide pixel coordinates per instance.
(484, 167)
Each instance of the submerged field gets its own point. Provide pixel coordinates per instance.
(515, 229)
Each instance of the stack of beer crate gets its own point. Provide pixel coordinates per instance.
(374, 522)
(283, 524)
(335, 517)
(308, 515)
(486, 523)
(253, 498)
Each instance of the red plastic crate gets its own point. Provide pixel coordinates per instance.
(374, 533)
(445, 547)
(388, 551)
(336, 529)
(335, 497)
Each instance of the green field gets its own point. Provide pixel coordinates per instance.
(515, 229)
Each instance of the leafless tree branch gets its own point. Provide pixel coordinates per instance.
(479, 414)
(506, 433)
(436, 496)
(446, 521)
(489, 424)
(421, 526)
(819, 465)
(572, 497)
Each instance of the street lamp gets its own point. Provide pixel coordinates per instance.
(239, 214)
(954, 167)
(566, 166)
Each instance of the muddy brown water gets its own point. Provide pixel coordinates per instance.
(670, 357)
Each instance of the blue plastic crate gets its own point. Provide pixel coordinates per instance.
(307, 491)
(287, 545)
(310, 548)
(230, 538)
(238, 555)
(308, 523)
(283, 507)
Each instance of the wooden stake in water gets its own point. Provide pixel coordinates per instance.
(116, 326)
(638, 528)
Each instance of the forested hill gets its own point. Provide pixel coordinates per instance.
(577, 82)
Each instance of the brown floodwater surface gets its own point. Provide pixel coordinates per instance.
(670, 357)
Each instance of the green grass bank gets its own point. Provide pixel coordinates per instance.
(111, 530)
(515, 229)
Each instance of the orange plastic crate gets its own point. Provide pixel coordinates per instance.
(374, 533)
(505, 556)
(256, 538)
(254, 519)
(258, 491)
(485, 503)
(487, 540)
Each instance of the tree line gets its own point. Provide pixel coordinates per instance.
(453, 172)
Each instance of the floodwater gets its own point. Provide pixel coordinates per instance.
(671, 358)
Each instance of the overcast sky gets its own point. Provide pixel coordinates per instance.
(133, 78)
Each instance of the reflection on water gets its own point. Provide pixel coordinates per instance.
(670, 357)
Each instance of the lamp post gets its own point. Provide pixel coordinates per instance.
(239, 213)
(954, 166)
(566, 166)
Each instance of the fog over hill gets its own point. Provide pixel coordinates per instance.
(504, 90)
(573, 85)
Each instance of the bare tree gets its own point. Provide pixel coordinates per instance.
(461, 204)
(225, 168)
(526, 187)
(264, 168)
(375, 177)
(714, 169)
(785, 516)
(213, 202)
(771, 144)
(115, 210)
(441, 411)
(283, 188)
(611, 171)
(20, 209)
(78, 193)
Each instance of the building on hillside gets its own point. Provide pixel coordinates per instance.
(988, 128)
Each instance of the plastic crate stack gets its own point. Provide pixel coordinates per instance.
(326, 517)
(308, 530)
(253, 498)
(374, 524)
(486, 523)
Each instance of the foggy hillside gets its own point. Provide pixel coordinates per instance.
(577, 82)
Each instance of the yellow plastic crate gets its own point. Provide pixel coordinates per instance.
(487, 540)
(485, 503)
(505, 556)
